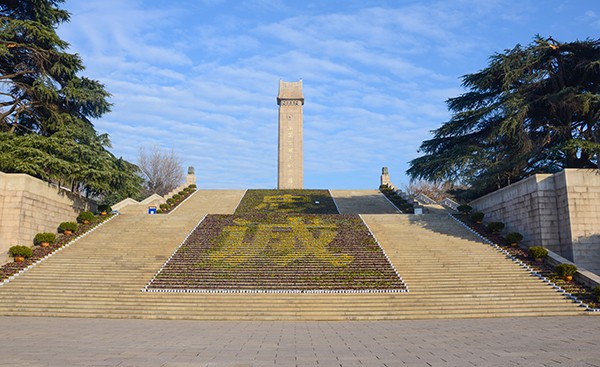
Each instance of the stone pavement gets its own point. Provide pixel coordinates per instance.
(545, 341)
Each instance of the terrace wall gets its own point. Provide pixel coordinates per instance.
(29, 206)
(560, 212)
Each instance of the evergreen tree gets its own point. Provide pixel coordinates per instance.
(46, 107)
(533, 109)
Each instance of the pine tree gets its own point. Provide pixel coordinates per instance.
(46, 107)
(533, 109)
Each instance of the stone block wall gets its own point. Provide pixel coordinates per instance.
(560, 212)
(583, 201)
(29, 206)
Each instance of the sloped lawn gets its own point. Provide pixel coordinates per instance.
(279, 252)
(287, 201)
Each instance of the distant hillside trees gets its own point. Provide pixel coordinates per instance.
(46, 107)
(534, 108)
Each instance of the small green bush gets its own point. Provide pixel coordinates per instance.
(181, 193)
(538, 252)
(177, 197)
(85, 216)
(477, 217)
(164, 206)
(104, 208)
(565, 269)
(67, 226)
(44, 237)
(514, 237)
(20, 251)
(597, 293)
(495, 227)
(465, 209)
(171, 201)
(192, 186)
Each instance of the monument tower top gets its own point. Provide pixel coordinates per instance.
(290, 91)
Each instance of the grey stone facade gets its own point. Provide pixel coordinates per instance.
(560, 212)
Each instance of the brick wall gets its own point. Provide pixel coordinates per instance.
(560, 212)
(29, 206)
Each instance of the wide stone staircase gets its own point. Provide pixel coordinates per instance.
(450, 274)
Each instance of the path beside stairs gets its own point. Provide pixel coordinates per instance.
(449, 272)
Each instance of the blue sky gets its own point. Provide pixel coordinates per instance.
(201, 77)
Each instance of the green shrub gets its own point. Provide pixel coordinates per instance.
(477, 217)
(44, 237)
(85, 217)
(565, 269)
(171, 201)
(20, 251)
(495, 227)
(538, 252)
(464, 209)
(181, 193)
(164, 206)
(192, 186)
(104, 208)
(176, 197)
(597, 293)
(514, 237)
(67, 226)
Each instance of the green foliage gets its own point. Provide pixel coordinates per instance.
(400, 203)
(477, 217)
(538, 252)
(192, 186)
(533, 109)
(45, 127)
(164, 206)
(67, 226)
(104, 208)
(495, 227)
(44, 237)
(171, 201)
(464, 209)
(514, 237)
(565, 269)
(176, 197)
(597, 293)
(20, 251)
(85, 216)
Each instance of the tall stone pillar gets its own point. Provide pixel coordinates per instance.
(290, 168)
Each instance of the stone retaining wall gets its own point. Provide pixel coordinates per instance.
(560, 212)
(29, 206)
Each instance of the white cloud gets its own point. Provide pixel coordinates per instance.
(202, 77)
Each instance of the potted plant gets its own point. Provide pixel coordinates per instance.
(85, 217)
(565, 271)
(20, 253)
(104, 209)
(44, 239)
(477, 217)
(464, 209)
(495, 227)
(67, 228)
(513, 238)
(538, 253)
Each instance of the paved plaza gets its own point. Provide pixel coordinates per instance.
(542, 341)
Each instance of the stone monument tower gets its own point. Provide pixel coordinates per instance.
(290, 169)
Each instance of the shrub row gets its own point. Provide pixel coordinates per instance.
(176, 199)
